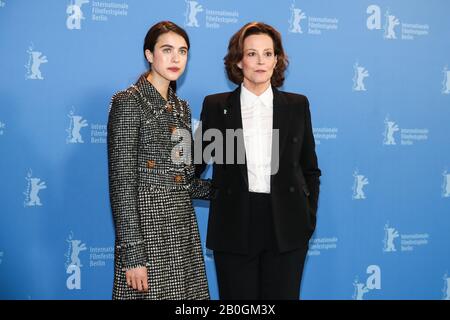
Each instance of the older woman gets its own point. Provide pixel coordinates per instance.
(264, 212)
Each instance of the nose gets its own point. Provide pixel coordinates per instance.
(175, 57)
(260, 59)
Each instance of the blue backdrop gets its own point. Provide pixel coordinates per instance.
(377, 74)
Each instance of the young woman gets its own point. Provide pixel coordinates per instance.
(264, 212)
(158, 252)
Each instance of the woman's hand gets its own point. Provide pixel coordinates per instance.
(137, 279)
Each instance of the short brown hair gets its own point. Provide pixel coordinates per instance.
(236, 52)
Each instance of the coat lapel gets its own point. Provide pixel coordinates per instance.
(233, 120)
(280, 126)
(281, 117)
(153, 103)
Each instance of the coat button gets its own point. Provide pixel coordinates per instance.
(291, 189)
(178, 178)
(151, 164)
(294, 139)
(169, 108)
(172, 130)
(229, 191)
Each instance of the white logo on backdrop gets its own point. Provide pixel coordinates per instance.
(192, 9)
(373, 282)
(360, 290)
(34, 185)
(360, 182)
(358, 79)
(100, 11)
(297, 15)
(389, 26)
(390, 234)
(75, 14)
(408, 136)
(409, 31)
(389, 129)
(446, 289)
(214, 18)
(446, 185)
(319, 245)
(408, 242)
(325, 133)
(2, 128)
(76, 123)
(446, 81)
(35, 59)
(73, 263)
(2, 3)
(314, 25)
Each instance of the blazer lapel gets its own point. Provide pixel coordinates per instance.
(280, 124)
(233, 120)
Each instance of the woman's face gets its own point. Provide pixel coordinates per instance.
(259, 60)
(169, 56)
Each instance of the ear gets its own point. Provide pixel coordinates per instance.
(149, 56)
(239, 65)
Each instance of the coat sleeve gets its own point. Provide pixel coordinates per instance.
(308, 159)
(123, 139)
(201, 164)
(198, 188)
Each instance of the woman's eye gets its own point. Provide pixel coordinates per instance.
(269, 54)
(251, 54)
(183, 52)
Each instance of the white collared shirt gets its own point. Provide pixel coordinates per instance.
(257, 116)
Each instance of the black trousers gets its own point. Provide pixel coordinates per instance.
(263, 273)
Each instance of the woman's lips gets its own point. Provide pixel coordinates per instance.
(174, 69)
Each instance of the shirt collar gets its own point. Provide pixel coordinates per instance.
(248, 98)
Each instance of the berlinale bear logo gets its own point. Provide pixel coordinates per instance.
(374, 21)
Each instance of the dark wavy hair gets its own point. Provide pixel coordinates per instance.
(157, 30)
(236, 52)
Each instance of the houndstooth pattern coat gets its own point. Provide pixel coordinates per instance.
(150, 195)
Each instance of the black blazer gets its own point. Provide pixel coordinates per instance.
(294, 188)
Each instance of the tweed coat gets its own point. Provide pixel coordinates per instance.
(150, 195)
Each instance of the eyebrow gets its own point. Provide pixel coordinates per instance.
(264, 49)
(254, 50)
(170, 46)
